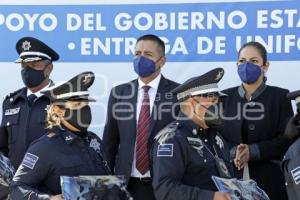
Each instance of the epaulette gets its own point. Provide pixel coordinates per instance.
(12, 94)
(166, 133)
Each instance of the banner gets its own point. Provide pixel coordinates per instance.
(193, 32)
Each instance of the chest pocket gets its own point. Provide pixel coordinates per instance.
(71, 166)
(11, 122)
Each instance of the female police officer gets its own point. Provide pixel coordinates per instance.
(68, 148)
(189, 151)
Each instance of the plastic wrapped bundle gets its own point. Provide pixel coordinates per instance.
(7, 172)
(240, 189)
(94, 188)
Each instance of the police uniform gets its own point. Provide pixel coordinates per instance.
(291, 161)
(184, 155)
(61, 152)
(23, 119)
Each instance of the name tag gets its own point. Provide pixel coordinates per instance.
(165, 150)
(30, 160)
(12, 111)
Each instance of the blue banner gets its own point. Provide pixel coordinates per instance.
(192, 32)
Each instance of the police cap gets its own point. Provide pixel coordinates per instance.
(74, 89)
(31, 49)
(204, 84)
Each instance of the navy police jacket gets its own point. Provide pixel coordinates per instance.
(183, 158)
(60, 153)
(21, 124)
(291, 168)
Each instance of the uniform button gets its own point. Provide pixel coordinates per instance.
(286, 184)
(205, 160)
(205, 140)
(251, 127)
(195, 131)
(7, 124)
(177, 123)
(11, 99)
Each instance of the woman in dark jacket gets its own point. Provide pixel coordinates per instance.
(255, 115)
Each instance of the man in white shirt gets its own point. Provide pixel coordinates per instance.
(136, 111)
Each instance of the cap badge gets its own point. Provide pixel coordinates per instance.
(26, 45)
(87, 79)
(219, 75)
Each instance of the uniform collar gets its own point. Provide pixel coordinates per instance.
(255, 94)
(153, 84)
(38, 93)
(183, 120)
(23, 93)
(69, 137)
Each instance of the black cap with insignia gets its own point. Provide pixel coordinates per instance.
(204, 84)
(72, 90)
(295, 95)
(31, 49)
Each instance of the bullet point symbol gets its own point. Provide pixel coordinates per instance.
(71, 45)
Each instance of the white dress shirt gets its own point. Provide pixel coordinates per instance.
(152, 94)
(38, 94)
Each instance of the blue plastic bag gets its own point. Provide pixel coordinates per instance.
(240, 189)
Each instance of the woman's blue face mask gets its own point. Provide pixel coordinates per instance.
(249, 72)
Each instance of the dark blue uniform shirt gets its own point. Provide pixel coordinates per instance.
(55, 155)
(21, 124)
(183, 161)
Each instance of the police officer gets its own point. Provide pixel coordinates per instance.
(67, 150)
(291, 162)
(24, 111)
(187, 152)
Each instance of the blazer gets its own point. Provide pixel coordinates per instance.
(262, 121)
(119, 134)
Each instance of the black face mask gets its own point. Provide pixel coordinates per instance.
(79, 118)
(212, 116)
(32, 77)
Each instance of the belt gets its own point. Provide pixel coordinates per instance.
(137, 180)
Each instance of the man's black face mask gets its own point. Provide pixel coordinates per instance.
(32, 77)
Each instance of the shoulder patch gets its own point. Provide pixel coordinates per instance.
(296, 175)
(165, 150)
(166, 133)
(30, 160)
